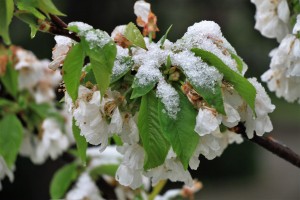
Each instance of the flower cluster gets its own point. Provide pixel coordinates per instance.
(36, 77)
(43, 129)
(175, 72)
(275, 19)
(86, 186)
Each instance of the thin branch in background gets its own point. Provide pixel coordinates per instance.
(273, 146)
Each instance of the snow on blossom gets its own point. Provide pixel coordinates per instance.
(198, 72)
(118, 30)
(169, 97)
(5, 171)
(207, 35)
(122, 62)
(94, 37)
(272, 18)
(60, 51)
(149, 63)
(142, 10)
(81, 26)
(85, 188)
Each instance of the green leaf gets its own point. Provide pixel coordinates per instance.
(239, 62)
(62, 180)
(169, 62)
(164, 37)
(124, 61)
(27, 6)
(134, 35)
(10, 80)
(11, 135)
(47, 6)
(29, 19)
(141, 90)
(117, 140)
(80, 143)
(240, 84)
(33, 31)
(213, 97)
(180, 132)
(109, 169)
(42, 110)
(102, 61)
(155, 144)
(5, 102)
(72, 70)
(6, 14)
(89, 75)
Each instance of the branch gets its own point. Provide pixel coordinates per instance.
(60, 28)
(272, 145)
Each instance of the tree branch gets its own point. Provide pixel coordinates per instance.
(60, 28)
(272, 145)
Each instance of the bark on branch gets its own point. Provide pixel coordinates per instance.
(60, 28)
(273, 146)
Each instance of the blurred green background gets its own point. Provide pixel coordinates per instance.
(244, 171)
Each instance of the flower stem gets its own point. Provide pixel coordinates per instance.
(157, 189)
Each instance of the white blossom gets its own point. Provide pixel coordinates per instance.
(263, 106)
(142, 10)
(172, 169)
(207, 35)
(109, 156)
(206, 122)
(60, 51)
(89, 119)
(85, 188)
(213, 145)
(35, 76)
(272, 18)
(5, 171)
(50, 142)
(283, 77)
(118, 30)
(130, 132)
(232, 117)
(296, 28)
(130, 171)
(29, 68)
